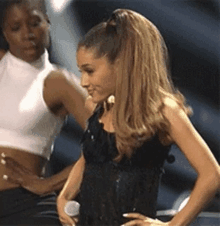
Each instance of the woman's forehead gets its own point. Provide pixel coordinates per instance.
(17, 10)
(36, 6)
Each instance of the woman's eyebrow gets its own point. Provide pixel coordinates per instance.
(85, 65)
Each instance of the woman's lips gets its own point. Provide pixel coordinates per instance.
(90, 92)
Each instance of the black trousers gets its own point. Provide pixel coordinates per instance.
(19, 207)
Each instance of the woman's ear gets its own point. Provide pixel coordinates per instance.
(48, 27)
(4, 40)
(47, 19)
(4, 36)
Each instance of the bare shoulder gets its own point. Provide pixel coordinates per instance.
(56, 86)
(70, 77)
(55, 78)
(170, 104)
(173, 112)
(63, 80)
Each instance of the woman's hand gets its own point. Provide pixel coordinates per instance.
(64, 218)
(139, 219)
(70, 190)
(18, 174)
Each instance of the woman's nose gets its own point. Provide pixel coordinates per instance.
(27, 32)
(84, 80)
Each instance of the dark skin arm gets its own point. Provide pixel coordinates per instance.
(20, 175)
(65, 96)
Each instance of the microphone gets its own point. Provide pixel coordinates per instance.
(72, 208)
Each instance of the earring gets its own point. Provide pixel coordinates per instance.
(111, 99)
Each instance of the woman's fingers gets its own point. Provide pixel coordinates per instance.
(140, 219)
(135, 215)
(11, 180)
(76, 219)
(14, 165)
(18, 174)
(66, 220)
(136, 222)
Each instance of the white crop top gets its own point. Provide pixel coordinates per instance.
(26, 123)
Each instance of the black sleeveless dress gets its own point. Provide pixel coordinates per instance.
(110, 189)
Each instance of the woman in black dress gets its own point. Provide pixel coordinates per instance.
(137, 116)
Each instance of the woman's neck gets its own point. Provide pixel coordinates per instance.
(107, 117)
(108, 106)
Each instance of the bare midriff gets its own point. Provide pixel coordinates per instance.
(32, 162)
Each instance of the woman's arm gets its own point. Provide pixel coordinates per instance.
(24, 177)
(72, 185)
(202, 160)
(70, 190)
(199, 156)
(64, 95)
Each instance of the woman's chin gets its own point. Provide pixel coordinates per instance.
(96, 100)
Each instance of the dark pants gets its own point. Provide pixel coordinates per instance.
(19, 207)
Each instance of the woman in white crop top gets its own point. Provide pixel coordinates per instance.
(34, 101)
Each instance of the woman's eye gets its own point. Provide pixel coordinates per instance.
(89, 71)
(34, 23)
(15, 28)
